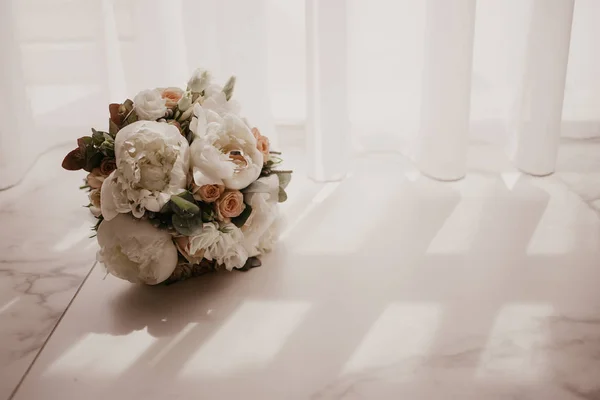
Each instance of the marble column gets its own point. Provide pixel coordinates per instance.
(17, 152)
(537, 119)
(445, 103)
(327, 122)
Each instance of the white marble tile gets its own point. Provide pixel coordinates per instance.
(579, 168)
(45, 254)
(385, 286)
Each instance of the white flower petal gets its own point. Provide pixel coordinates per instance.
(134, 250)
(149, 105)
(152, 165)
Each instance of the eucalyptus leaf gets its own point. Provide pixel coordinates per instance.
(112, 127)
(97, 137)
(187, 226)
(166, 209)
(228, 88)
(187, 195)
(284, 179)
(183, 207)
(258, 187)
(282, 195)
(241, 219)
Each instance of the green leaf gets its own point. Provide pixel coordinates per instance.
(183, 207)
(282, 195)
(241, 219)
(107, 147)
(97, 137)
(93, 159)
(112, 128)
(208, 215)
(187, 195)
(228, 88)
(166, 209)
(84, 142)
(187, 226)
(284, 179)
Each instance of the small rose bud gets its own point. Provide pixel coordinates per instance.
(185, 102)
(199, 80)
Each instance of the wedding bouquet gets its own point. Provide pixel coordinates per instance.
(180, 184)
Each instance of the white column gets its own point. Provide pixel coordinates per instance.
(117, 87)
(17, 146)
(445, 103)
(242, 39)
(538, 115)
(327, 123)
(160, 44)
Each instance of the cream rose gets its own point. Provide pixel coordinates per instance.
(134, 250)
(223, 150)
(150, 105)
(172, 95)
(207, 193)
(152, 163)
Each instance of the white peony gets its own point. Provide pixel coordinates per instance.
(225, 245)
(262, 196)
(223, 151)
(149, 105)
(152, 163)
(199, 81)
(134, 250)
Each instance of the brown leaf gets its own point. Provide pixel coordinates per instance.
(74, 161)
(115, 116)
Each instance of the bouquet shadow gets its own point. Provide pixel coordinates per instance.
(203, 301)
(172, 309)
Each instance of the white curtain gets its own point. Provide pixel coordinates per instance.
(63, 61)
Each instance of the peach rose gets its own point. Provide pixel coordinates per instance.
(207, 193)
(95, 178)
(262, 143)
(172, 96)
(256, 133)
(94, 197)
(183, 244)
(230, 204)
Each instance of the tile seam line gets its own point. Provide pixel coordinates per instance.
(30, 367)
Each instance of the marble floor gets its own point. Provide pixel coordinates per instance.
(385, 286)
